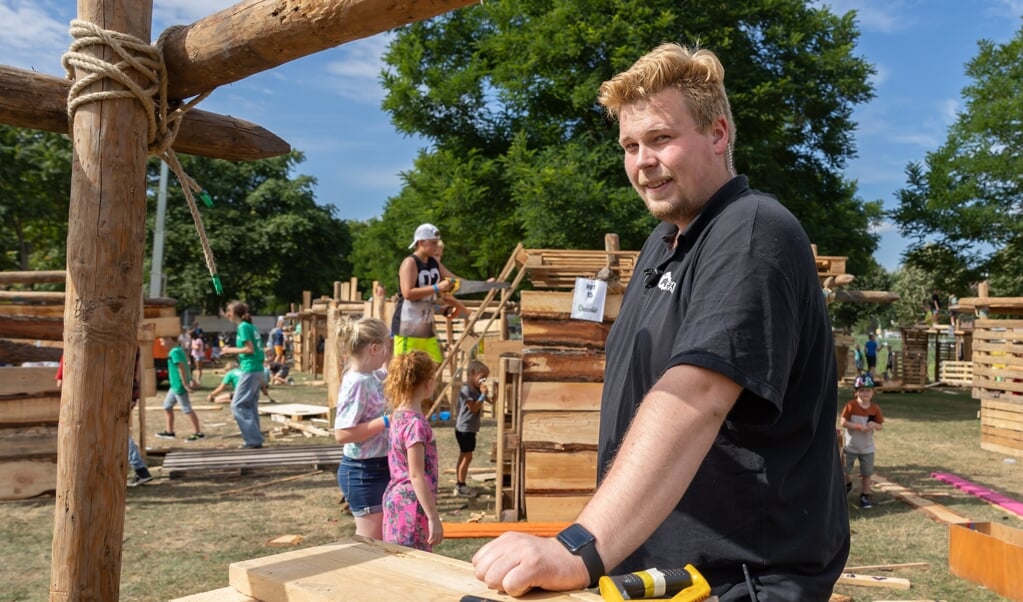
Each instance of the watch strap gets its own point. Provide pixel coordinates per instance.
(588, 552)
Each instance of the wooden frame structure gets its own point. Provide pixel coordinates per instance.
(104, 260)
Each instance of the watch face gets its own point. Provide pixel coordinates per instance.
(575, 537)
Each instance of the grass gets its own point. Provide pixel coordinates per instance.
(181, 534)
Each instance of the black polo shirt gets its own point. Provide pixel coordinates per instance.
(739, 295)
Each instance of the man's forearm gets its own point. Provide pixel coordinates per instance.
(665, 445)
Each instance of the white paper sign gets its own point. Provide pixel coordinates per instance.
(588, 299)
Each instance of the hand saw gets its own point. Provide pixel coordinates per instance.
(467, 287)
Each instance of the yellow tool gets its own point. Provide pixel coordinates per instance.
(683, 585)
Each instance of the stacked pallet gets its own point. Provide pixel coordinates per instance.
(559, 403)
(998, 383)
(31, 342)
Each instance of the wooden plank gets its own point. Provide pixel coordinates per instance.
(560, 396)
(296, 411)
(494, 529)
(887, 567)
(988, 554)
(874, 581)
(558, 364)
(34, 276)
(540, 332)
(16, 352)
(224, 594)
(254, 36)
(558, 305)
(364, 569)
(49, 310)
(269, 457)
(39, 101)
(28, 443)
(547, 472)
(555, 507)
(932, 509)
(15, 380)
(31, 327)
(21, 479)
(29, 410)
(561, 428)
(494, 349)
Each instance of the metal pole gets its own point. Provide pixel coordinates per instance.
(156, 275)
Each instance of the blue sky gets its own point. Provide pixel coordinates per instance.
(328, 105)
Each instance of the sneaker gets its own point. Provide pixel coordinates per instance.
(463, 491)
(165, 435)
(137, 480)
(865, 502)
(196, 437)
(251, 446)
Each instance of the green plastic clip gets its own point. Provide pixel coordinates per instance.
(205, 196)
(217, 285)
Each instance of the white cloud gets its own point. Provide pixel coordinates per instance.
(32, 37)
(355, 75)
(184, 12)
(885, 16)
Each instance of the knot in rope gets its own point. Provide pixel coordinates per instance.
(146, 62)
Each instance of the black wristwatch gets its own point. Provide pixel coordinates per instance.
(581, 542)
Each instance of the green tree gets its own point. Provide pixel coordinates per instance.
(270, 239)
(505, 92)
(962, 206)
(35, 185)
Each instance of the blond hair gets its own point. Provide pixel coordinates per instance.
(353, 336)
(405, 374)
(697, 73)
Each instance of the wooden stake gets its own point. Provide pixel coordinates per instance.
(256, 35)
(101, 315)
(39, 101)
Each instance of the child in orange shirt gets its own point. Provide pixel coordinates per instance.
(860, 418)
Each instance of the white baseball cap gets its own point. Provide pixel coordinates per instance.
(424, 232)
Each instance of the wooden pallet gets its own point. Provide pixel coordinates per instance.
(296, 411)
(197, 460)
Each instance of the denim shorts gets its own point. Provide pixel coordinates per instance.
(180, 399)
(363, 482)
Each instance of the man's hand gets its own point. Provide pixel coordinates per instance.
(516, 562)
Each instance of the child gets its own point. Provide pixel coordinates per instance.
(410, 502)
(467, 423)
(860, 418)
(249, 349)
(360, 421)
(177, 392)
(231, 377)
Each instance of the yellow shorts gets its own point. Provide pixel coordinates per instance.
(403, 345)
(279, 349)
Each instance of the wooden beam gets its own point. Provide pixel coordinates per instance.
(256, 35)
(105, 248)
(39, 101)
(26, 327)
(29, 277)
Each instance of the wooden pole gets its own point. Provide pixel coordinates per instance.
(256, 35)
(39, 101)
(104, 280)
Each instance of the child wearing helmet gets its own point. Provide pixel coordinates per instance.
(860, 418)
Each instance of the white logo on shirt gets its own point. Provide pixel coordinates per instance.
(666, 283)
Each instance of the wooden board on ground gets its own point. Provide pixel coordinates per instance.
(295, 411)
(365, 569)
(874, 581)
(316, 456)
(936, 511)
